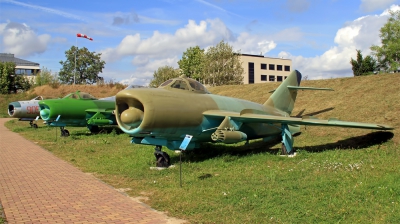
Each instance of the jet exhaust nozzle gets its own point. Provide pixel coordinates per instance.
(228, 137)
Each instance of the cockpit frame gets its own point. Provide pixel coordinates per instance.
(184, 83)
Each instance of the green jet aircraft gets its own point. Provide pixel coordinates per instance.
(183, 106)
(78, 109)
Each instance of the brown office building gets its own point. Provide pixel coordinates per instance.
(259, 69)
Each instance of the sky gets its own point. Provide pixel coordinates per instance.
(135, 38)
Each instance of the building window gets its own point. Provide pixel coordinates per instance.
(287, 68)
(20, 71)
(271, 67)
(279, 78)
(263, 77)
(279, 67)
(251, 72)
(285, 77)
(264, 66)
(272, 78)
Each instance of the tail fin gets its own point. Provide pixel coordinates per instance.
(285, 95)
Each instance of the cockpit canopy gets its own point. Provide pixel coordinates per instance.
(80, 95)
(185, 83)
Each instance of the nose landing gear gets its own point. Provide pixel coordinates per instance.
(162, 158)
(64, 132)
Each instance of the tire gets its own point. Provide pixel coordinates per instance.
(283, 150)
(163, 159)
(64, 133)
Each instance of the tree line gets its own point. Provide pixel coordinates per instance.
(80, 67)
(384, 58)
(218, 65)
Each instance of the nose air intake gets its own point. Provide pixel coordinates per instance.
(132, 117)
(12, 108)
(129, 112)
(44, 114)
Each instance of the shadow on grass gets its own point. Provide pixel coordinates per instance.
(102, 130)
(209, 150)
(358, 142)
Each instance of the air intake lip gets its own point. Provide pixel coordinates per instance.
(45, 114)
(12, 107)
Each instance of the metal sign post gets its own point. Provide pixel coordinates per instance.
(183, 146)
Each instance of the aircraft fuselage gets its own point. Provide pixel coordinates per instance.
(165, 116)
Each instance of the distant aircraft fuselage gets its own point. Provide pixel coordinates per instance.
(25, 110)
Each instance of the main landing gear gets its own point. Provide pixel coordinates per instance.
(287, 141)
(64, 132)
(33, 125)
(163, 159)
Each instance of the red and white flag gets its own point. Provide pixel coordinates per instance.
(84, 36)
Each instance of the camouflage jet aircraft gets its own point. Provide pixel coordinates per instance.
(182, 106)
(27, 110)
(78, 109)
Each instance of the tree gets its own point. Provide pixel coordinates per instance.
(45, 78)
(162, 74)
(88, 66)
(388, 54)
(363, 66)
(9, 81)
(192, 62)
(7, 70)
(222, 66)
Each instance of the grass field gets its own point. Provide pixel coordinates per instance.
(339, 175)
(2, 216)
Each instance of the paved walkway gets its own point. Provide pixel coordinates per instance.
(37, 187)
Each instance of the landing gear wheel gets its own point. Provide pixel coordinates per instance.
(31, 123)
(162, 158)
(35, 126)
(283, 150)
(94, 129)
(64, 132)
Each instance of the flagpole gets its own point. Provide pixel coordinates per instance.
(84, 36)
(76, 41)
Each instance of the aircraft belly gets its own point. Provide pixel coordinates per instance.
(260, 130)
(69, 122)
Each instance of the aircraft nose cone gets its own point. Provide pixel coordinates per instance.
(132, 116)
(44, 114)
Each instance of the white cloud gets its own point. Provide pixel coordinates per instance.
(372, 5)
(159, 45)
(359, 34)
(21, 40)
(162, 49)
(144, 73)
(252, 44)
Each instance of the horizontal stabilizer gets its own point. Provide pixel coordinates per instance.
(308, 88)
(304, 88)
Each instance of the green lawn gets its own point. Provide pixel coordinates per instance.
(338, 176)
(328, 181)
